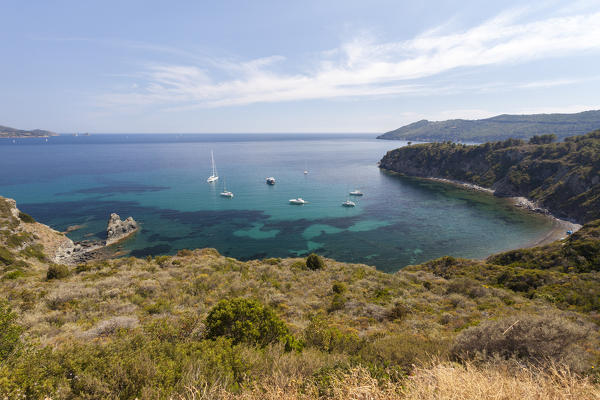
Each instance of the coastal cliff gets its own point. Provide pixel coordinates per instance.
(563, 178)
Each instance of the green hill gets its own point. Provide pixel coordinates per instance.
(561, 177)
(498, 128)
(6, 132)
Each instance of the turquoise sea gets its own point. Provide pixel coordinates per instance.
(160, 180)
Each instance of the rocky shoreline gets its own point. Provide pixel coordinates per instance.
(70, 252)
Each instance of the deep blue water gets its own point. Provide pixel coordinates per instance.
(160, 180)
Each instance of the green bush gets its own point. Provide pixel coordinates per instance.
(34, 251)
(10, 331)
(325, 337)
(314, 262)
(245, 321)
(6, 256)
(26, 218)
(339, 288)
(337, 303)
(57, 271)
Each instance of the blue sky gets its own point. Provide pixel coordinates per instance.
(282, 66)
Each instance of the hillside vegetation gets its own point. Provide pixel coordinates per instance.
(8, 132)
(199, 325)
(562, 177)
(498, 128)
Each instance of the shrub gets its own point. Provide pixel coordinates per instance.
(398, 312)
(10, 331)
(112, 326)
(530, 338)
(34, 251)
(314, 262)
(6, 256)
(337, 303)
(339, 288)
(26, 218)
(329, 338)
(57, 271)
(244, 320)
(402, 350)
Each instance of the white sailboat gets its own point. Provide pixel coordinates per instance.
(214, 177)
(225, 192)
(305, 168)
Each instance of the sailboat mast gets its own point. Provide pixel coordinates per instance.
(212, 162)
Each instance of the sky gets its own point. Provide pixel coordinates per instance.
(145, 66)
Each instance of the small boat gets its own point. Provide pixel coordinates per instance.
(349, 203)
(569, 232)
(270, 180)
(225, 192)
(299, 201)
(214, 177)
(305, 168)
(356, 193)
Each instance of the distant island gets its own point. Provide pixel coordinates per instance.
(498, 128)
(7, 132)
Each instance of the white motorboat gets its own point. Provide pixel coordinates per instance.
(349, 203)
(270, 180)
(356, 193)
(214, 177)
(299, 201)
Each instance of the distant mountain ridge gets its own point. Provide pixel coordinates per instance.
(7, 132)
(499, 127)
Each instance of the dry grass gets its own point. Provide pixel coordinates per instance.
(443, 381)
(452, 381)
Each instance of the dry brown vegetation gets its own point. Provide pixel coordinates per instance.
(137, 328)
(445, 381)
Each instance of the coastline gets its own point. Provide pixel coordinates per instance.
(559, 226)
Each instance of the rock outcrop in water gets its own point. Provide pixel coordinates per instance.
(118, 230)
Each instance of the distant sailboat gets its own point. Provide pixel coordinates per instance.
(305, 168)
(299, 201)
(214, 177)
(225, 192)
(356, 193)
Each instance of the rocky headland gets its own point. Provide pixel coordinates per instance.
(57, 246)
(561, 179)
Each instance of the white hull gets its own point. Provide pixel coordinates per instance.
(299, 201)
(212, 179)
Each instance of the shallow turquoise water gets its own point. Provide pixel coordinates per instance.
(161, 181)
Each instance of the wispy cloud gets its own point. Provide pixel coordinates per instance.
(364, 67)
